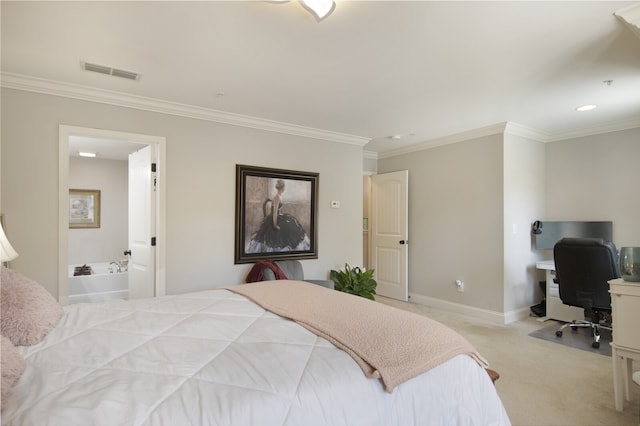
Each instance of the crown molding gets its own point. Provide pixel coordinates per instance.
(447, 140)
(514, 129)
(91, 94)
(369, 155)
(606, 128)
(525, 132)
(630, 16)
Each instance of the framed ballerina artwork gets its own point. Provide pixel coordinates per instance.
(276, 214)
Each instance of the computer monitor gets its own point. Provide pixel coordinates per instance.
(552, 232)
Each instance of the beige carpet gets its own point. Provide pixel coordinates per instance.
(541, 382)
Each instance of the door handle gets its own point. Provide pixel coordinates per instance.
(404, 242)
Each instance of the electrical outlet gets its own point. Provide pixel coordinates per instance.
(460, 285)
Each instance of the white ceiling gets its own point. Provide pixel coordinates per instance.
(419, 69)
(107, 149)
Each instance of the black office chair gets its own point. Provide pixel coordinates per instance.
(583, 267)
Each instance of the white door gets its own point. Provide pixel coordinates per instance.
(389, 233)
(141, 224)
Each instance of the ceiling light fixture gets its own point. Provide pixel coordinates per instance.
(320, 9)
(87, 154)
(586, 108)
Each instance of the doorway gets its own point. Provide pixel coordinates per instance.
(110, 145)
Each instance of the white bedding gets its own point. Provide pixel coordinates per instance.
(216, 358)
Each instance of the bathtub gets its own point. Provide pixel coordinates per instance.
(101, 286)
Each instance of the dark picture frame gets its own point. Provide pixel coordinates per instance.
(293, 233)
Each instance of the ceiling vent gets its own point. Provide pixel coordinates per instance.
(102, 69)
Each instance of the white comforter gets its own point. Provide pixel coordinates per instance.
(216, 358)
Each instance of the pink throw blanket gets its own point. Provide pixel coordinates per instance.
(388, 343)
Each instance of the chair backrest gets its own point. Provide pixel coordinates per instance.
(583, 267)
(291, 268)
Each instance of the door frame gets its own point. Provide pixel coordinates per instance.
(64, 132)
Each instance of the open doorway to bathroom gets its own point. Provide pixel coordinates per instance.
(121, 251)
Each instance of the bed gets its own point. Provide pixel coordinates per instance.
(219, 358)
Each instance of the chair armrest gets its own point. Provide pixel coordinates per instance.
(323, 283)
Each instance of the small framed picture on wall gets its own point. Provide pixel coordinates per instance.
(84, 208)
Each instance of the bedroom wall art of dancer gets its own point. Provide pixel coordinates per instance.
(279, 231)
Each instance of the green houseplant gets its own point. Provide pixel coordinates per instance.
(355, 280)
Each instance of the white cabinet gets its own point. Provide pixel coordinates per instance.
(555, 308)
(625, 308)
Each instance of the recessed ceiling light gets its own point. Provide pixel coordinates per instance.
(586, 108)
(87, 154)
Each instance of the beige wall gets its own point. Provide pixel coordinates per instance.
(200, 187)
(455, 221)
(463, 198)
(524, 202)
(471, 205)
(370, 165)
(596, 178)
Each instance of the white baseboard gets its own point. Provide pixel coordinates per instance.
(517, 315)
(493, 317)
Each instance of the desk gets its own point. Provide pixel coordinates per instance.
(625, 348)
(555, 308)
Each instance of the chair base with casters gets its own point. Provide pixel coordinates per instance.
(575, 324)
